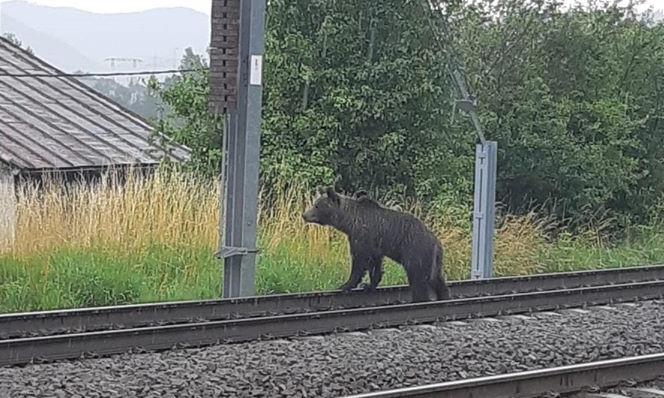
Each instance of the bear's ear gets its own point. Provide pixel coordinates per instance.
(361, 193)
(320, 190)
(364, 198)
(331, 193)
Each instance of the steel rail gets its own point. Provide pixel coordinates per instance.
(535, 383)
(25, 350)
(139, 315)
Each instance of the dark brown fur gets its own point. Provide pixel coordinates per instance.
(375, 232)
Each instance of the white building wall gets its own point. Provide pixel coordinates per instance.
(7, 208)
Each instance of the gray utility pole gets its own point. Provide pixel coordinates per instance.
(484, 208)
(484, 211)
(236, 64)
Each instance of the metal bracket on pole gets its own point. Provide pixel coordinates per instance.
(468, 104)
(227, 252)
(485, 168)
(484, 206)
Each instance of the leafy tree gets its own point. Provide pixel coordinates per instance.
(12, 38)
(359, 92)
(185, 114)
(561, 93)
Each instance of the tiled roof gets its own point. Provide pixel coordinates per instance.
(57, 122)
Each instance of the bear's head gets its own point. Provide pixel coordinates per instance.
(325, 208)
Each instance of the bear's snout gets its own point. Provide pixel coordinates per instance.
(310, 216)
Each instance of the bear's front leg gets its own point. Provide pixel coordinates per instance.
(376, 273)
(356, 272)
(375, 268)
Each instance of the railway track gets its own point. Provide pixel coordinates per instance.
(561, 381)
(35, 324)
(251, 319)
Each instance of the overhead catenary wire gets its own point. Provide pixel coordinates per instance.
(101, 74)
(467, 103)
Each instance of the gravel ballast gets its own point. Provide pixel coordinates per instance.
(337, 365)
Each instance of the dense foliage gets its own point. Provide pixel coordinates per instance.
(187, 119)
(359, 92)
(574, 101)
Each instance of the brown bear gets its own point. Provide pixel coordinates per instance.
(375, 232)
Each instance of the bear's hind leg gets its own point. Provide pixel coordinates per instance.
(441, 289)
(438, 279)
(421, 292)
(419, 285)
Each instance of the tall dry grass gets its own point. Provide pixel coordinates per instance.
(169, 209)
(153, 238)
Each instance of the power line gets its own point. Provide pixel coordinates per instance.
(467, 103)
(153, 72)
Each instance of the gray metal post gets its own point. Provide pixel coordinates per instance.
(241, 157)
(484, 210)
(485, 171)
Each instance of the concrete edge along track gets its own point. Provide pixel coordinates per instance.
(132, 316)
(25, 350)
(534, 383)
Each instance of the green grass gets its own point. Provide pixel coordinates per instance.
(284, 269)
(154, 241)
(576, 253)
(97, 277)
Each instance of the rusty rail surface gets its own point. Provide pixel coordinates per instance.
(535, 383)
(46, 348)
(132, 316)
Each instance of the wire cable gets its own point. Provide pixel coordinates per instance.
(453, 70)
(103, 74)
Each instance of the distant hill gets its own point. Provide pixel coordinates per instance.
(47, 47)
(72, 39)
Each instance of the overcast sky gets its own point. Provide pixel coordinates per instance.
(112, 6)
